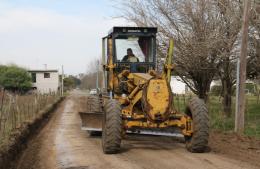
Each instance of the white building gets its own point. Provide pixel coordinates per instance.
(45, 81)
(177, 86)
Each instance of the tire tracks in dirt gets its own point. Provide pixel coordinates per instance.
(61, 144)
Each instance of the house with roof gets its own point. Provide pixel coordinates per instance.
(45, 81)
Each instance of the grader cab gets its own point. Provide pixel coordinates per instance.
(137, 98)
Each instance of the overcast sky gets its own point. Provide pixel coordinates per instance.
(54, 32)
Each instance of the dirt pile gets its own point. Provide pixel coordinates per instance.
(242, 148)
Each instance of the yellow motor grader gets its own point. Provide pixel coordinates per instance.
(138, 99)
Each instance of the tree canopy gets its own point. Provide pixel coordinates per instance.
(14, 78)
(71, 82)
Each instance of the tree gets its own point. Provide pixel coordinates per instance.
(15, 78)
(195, 26)
(230, 13)
(3, 69)
(89, 79)
(71, 82)
(253, 63)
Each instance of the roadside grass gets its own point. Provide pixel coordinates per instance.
(218, 121)
(252, 117)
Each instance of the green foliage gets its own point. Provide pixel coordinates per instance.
(250, 87)
(3, 69)
(14, 78)
(71, 82)
(77, 81)
(68, 82)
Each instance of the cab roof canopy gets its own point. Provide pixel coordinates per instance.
(133, 30)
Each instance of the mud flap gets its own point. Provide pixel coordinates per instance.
(91, 121)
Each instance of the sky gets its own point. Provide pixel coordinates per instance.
(55, 32)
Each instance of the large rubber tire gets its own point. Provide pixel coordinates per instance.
(112, 127)
(197, 110)
(94, 106)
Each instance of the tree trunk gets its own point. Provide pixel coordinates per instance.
(227, 97)
(227, 103)
(203, 92)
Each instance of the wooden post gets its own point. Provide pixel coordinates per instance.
(241, 73)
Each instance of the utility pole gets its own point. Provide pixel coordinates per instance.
(62, 77)
(241, 73)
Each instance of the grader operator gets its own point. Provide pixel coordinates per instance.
(137, 98)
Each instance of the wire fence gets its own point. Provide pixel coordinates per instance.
(17, 110)
(219, 120)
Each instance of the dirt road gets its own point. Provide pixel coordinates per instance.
(61, 144)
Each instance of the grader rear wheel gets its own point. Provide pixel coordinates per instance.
(112, 127)
(198, 142)
(93, 104)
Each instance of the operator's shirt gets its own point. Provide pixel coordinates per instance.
(130, 59)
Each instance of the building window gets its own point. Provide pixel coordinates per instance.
(46, 75)
(33, 77)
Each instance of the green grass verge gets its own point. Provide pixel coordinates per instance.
(219, 121)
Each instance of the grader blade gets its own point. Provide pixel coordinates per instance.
(91, 121)
(156, 133)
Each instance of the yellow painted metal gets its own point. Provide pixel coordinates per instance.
(133, 92)
(184, 123)
(139, 78)
(122, 100)
(104, 82)
(110, 65)
(170, 60)
(128, 110)
(158, 98)
(168, 66)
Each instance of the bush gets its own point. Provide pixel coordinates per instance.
(15, 78)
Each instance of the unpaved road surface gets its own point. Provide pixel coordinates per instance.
(62, 145)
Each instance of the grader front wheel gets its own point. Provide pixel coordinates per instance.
(112, 127)
(197, 110)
